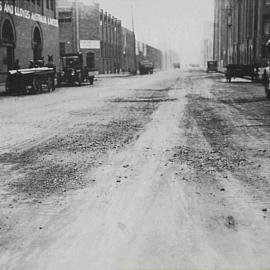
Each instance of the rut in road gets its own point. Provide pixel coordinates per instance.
(186, 191)
(61, 165)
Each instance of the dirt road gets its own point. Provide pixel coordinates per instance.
(169, 171)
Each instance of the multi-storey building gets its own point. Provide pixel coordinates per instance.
(86, 28)
(129, 51)
(111, 43)
(28, 31)
(242, 32)
(79, 30)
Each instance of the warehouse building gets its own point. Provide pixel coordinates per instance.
(147, 52)
(79, 30)
(88, 29)
(129, 51)
(111, 43)
(242, 32)
(28, 31)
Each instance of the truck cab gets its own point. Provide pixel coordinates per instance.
(146, 67)
(75, 71)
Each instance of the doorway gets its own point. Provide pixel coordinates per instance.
(90, 60)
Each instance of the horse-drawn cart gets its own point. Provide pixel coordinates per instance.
(31, 80)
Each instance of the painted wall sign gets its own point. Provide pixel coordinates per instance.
(90, 44)
(26, 14)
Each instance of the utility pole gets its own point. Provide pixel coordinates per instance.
(77, 26)
(133, 30)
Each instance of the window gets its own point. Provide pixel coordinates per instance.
(267, 2)
(52, 4)
(266, 25)
(64, 17)
(47, 4)
(266, 28)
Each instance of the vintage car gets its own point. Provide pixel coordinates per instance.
(74, 71)
(240, 71)
(212, 66)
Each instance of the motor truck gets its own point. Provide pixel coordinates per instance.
(75, 71)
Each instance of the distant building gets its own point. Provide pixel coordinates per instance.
(28, 31)
(129, 51)
(147, 52)
(111, 43)
(155, 56)
(170, 57)
(207, 43)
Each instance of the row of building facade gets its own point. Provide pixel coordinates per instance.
(242, 32)
(31, 29)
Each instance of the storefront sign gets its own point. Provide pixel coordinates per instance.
(90, 44)
(26, 14)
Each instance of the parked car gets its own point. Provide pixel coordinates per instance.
(212, 66)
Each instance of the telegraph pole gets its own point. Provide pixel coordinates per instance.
(77, 26)
(133, 30)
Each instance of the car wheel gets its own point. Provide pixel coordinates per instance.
(36, 86)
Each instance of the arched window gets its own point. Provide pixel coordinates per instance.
(8, 43)
(7, 32)
(37, 44)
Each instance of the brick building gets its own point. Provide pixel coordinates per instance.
(28, 31)
(129, 51)
(86, 28)
(79, 29)
(242, 32)
(111, 43)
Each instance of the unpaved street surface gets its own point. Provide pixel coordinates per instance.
(169, 171)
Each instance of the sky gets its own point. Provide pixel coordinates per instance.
(166, 24)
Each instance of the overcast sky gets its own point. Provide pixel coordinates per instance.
(176, 24)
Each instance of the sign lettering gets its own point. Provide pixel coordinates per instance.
(90, 44)
(26, 14)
